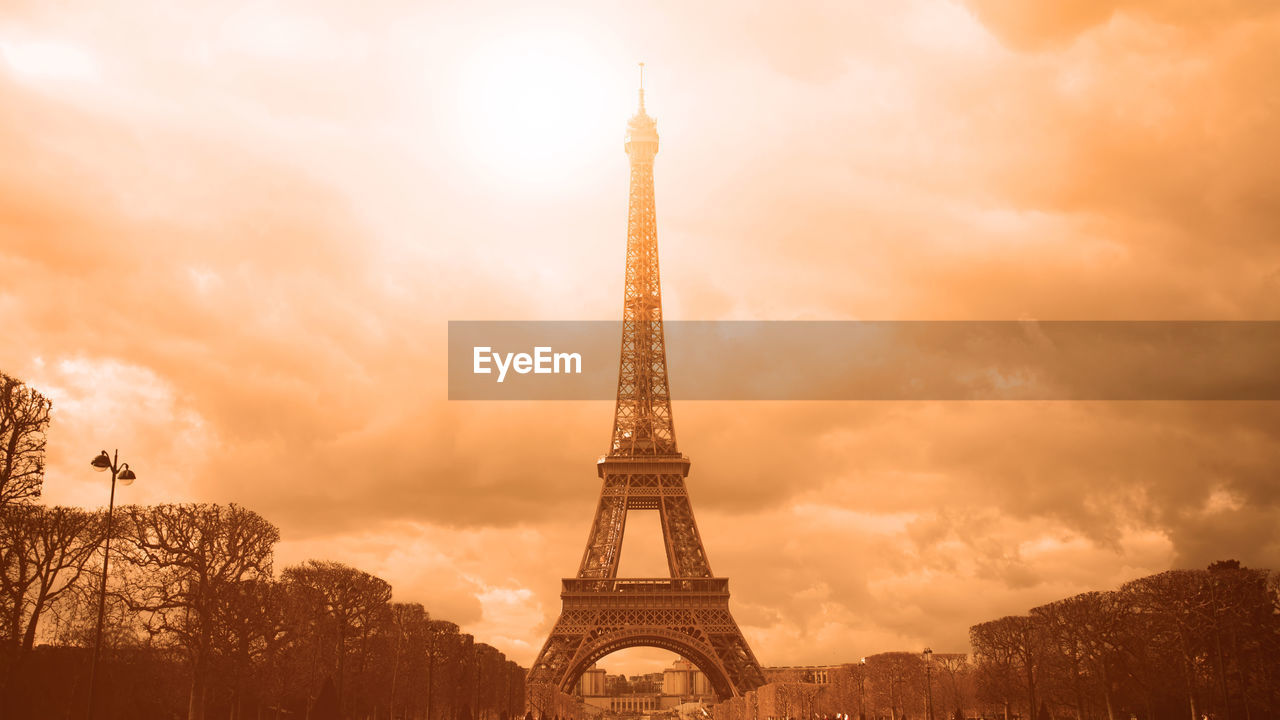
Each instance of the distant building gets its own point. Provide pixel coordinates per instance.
(647, 683)
(682, 684)
(592, 682)
(682, 679)
(616, 685)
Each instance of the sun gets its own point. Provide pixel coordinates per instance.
(48, 61)
(533, 105)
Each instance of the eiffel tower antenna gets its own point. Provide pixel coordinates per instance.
(688, 611)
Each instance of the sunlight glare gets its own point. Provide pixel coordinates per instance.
(48, 60)
(530, 106)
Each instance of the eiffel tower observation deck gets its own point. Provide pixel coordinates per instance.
(687, 612)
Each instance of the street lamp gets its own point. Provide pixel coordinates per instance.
(862, 689)
(928, 680)
(125, 476)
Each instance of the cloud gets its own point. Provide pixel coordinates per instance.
(1050, 24)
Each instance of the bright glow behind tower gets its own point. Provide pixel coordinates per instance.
(530, 107)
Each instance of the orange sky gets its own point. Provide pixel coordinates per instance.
(231, 236)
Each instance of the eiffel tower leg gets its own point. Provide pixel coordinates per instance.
(551, 666)
(604, 544)
(685, 554)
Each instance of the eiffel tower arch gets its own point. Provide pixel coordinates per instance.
(688, 612)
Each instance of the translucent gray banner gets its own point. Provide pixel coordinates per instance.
(857, 360)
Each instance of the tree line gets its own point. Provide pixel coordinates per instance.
(1179, 644)
(1182, 643)
(198, 623)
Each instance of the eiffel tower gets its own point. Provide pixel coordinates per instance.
(688, 612)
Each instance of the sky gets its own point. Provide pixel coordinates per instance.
(232, 234)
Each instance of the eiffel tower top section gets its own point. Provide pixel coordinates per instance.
(642, 137)
(642, 425)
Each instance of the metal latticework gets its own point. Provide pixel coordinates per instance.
(687, 613)
(642, 423)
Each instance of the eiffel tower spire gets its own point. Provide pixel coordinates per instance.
(642, 423)
(687, 612)
(641, 88)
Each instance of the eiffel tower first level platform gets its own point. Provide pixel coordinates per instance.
(688, 612)
(688, 616)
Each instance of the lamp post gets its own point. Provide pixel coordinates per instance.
(862, 689)
(928, 680)
(125, 476)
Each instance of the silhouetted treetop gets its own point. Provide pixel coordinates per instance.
(24, 418)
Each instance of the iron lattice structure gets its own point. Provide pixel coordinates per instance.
(688, 612)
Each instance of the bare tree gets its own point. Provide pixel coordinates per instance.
(24, 417)
(294, 647)
(1066, 646)
(1088, 631)
(1239, 608)
(441, 645)
(1172, 602)
(189, 555)
(957, 671)
(1179, 643)
(43, 554)
(193, 592)
(407, 625)
(250, 629)
(353, 599)
(1009, 652)
(896, 679)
